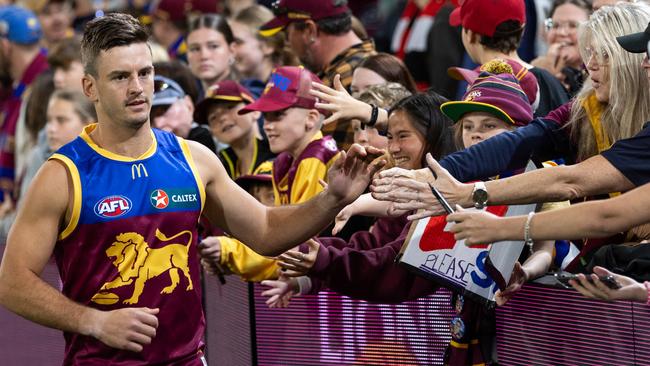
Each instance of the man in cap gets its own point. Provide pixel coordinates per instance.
(172, 111)
(20, 33)
(493, 29)
(320, 34)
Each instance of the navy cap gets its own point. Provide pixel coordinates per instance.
(19, 25)
(166, 91)
(635, 42)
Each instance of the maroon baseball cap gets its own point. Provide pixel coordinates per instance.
(287, 11)
(223, 91)
(526, 79)
(483, 16)
(287, 87)
(178, 10)
(262, 174)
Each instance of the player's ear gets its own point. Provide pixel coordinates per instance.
(88, 84)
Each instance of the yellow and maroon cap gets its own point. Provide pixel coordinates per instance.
(287, 11)
(287, 87)
(223, 91)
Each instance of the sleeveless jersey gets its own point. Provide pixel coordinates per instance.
(131, 242)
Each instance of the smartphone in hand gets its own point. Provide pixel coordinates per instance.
(609, 281)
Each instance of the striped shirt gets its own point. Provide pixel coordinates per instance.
(344, 64)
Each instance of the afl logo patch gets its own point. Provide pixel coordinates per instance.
(159, 199)
(112, 206)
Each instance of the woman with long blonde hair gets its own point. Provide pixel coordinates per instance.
(614, 102)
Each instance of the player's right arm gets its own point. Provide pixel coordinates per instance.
(29, 246)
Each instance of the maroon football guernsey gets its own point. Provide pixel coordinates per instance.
(131, 242)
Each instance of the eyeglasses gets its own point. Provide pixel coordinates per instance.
(599, 58)
(647, 51)
(551, 25)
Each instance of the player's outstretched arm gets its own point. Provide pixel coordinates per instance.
(29, 246)
(273, 230)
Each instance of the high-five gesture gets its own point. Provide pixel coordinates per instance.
(350, 175)
(410, 189)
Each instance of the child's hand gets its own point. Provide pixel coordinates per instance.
(280, 291)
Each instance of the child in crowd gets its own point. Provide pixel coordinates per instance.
(220, 111)
(226, 255)
(256, 56)
(292, 124)
(68, 111)
(378, 69)
(383, 96)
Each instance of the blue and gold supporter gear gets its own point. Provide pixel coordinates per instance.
(131, 241)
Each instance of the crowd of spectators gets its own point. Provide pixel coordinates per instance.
(467, 90)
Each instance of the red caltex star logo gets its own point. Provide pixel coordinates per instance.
(159, 199)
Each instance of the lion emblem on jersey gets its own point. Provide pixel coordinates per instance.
(137, 263)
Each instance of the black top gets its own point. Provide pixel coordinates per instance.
(203, 136)
(229, 158)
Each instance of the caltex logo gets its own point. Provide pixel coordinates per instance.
(112, 206)
(159, 199)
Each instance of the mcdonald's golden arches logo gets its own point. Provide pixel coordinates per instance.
(139, 170)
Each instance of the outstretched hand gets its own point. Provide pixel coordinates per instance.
(351, 173)
(517, 280)
(475, 227)
(630, 289)
(410, 190)
(296, 264)
(339, 102)
(342, 218)
(280, 291)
